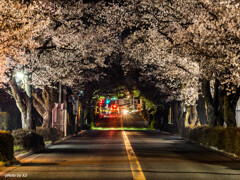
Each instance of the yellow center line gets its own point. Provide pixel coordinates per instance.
(136, 169)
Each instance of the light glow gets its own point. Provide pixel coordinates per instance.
(20, 75)
(120, 128)
(125, 111)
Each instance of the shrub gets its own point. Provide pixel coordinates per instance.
(186, 133)
(86, 127)
(33, 141)
(1, 157)
(50, 134)
(6, 145)
(227, 139)
(18, 136)
(153, 124)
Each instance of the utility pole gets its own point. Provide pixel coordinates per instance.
(60, 93)
(133, 103)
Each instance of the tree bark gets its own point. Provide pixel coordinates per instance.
(175, 113)
(182, 115)
(220, 115)
(201, 110)
(178, 115)
(194, 117)
(230, 111)
(188, 113)
(165, 116)
(211, 116)
(44, 104)
(24, 104)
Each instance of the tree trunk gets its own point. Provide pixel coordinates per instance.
(188, 113)
(158, 115)
(211, 116)
(229, 111)
(175, 113)
(29, 120)
(43, 104)
(220, 116)
(182, 115)
(178, 116)
(194, 117)
(165, 116)
(201, 110)
(47, 118)
(24, 104)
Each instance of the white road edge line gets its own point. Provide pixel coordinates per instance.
(136, 169)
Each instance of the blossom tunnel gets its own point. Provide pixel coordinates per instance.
(181, 55)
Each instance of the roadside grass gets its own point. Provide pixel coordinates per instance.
(47, 142)
(21, 150)
(92, 126)
(18, 148)
(120, 128)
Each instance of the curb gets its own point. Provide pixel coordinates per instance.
(24, 155)
(64, 138)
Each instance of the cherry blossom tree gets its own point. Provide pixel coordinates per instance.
(70, 50)
(19, 21)
(170, 44)
(215, 37)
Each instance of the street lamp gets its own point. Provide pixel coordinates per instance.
(23, 80)
(19, 78)
(20, 75)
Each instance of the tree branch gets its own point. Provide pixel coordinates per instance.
(38, 98)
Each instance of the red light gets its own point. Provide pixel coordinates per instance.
(101, 102)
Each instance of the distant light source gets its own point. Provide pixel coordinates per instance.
(20, 75)
(107, 101)
(114, 98)
(81, 93)
(125, 111)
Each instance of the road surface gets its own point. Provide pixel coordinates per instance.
(126, 154)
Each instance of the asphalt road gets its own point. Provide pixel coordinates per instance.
(117, 121)
(121, 154)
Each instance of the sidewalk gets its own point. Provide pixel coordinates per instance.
(19, 155)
